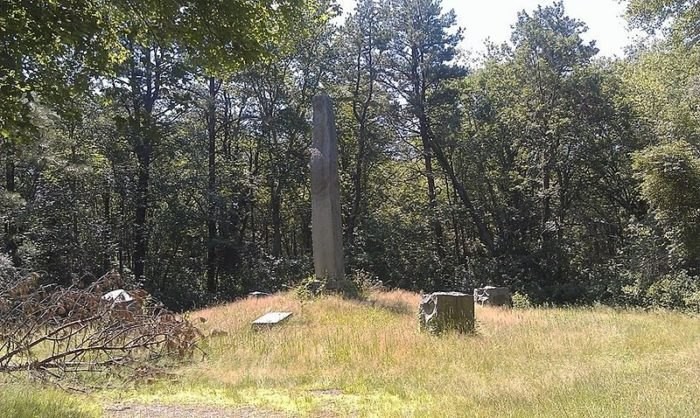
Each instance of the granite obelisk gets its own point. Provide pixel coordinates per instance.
(326, 230)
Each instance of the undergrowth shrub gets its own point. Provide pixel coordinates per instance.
(312, 287)
(366, 282)
(8, 272)
(676, 290)
(521, 301)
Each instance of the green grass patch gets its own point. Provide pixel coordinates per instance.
(28, 401)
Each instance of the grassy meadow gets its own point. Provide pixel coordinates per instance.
(24, 400)
(337, 357)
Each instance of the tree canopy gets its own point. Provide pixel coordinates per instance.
(168, 140)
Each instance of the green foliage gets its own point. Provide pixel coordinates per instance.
(549, 37)
(546, 147)
(185, 163)
(50, 49)
(662, 253)
(651, 273)
(691, 298)
(239, 32)
(661, 83)
(669, 291)
(654, 15)
(670, 176)
(676, 290)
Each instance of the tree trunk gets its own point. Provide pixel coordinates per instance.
(145, 86)
(10, 227)
(122, 227)
(430, 149)
(419, 92)
(358, 184)
(361, 112)
(485, 235)
(107, 237)
(10, 169)
(546, 210)
(140, 221)
(432, 196)
(451, 200)
(276, 208)
(212, 284)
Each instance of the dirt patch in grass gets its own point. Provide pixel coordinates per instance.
(185, 411)
(327, 392)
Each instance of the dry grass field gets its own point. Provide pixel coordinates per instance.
(338, 357)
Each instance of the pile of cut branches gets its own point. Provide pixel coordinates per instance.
(54, 331)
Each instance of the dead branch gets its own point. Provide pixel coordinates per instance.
(55, 331)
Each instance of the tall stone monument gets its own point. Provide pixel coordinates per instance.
(327, 233)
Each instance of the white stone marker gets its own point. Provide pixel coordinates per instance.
(327, 234)
(270, 319)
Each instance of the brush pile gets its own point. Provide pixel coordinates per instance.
(55, 331)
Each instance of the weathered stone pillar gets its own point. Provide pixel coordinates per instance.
(327, 233)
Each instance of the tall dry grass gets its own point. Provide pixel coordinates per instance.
(337, 357)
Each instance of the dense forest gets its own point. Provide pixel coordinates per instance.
(169, 139)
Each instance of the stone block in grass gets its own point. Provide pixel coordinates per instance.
(446, 311)
(271, 319)
(493, 296)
